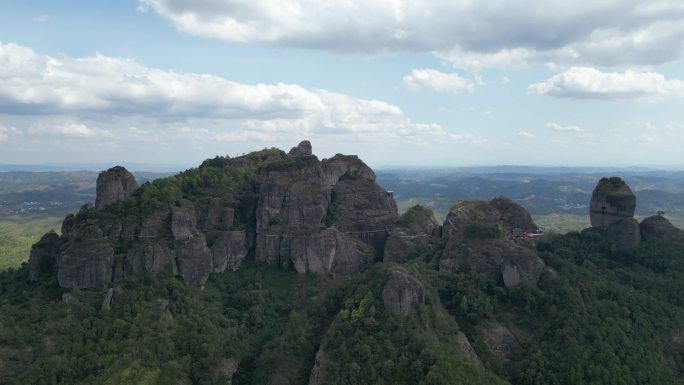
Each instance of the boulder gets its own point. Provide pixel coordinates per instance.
(229, 250)
(326, 251)
(114, 185)
(154, 257)
(44, 256)
(402, 293)
(611, 201)
(412, 230)
(345, 165)
(658, 227)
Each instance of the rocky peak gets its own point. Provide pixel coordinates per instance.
(302, 149)
(612, 210)
(611, 201)
(412, 230)
(114, 185)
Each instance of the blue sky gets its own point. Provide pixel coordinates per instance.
(398, 82)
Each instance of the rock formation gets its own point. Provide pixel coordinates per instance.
(612, 210)
(658, 227)
(413, 229)
(402, 293)
(44, 256)
(611, 201)
(114, 185)
(500, 342)
(479, 241)
(324, 217)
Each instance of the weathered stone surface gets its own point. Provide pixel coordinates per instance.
(107, 300)
(154, 257)
(479, 242)
(68, 224)
(229, 250)
(194, 260)
(226, 369)
(326, 251)
(86, 260)
(412, 230)
(183, 220)
(155, 224)
(114, 185)
(500, 342)
(362, 208)
(658, 227)
(611, 201)
(215, 215)
(302, 149)
(345, 165)
(402, 293)
(466, 349)
(44, 256)
(624, 232)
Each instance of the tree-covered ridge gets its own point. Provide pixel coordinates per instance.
(601, 314)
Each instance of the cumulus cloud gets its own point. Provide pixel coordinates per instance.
(559, 128)
(590, 83)
(525, 135)
(468, 138)
(471, 34)
(433, 80)
(101, 89)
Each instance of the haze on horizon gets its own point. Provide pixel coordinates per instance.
(440, 83)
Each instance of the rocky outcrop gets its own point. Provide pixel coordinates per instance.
(290, 210)
(114, 185)
(44, 256)
(229, 250)
(612, 210)
(402, 293)
(194, 260)
(659, 228)
(413, 230)
(479, 241)
(500, 342)
(624, 232)
(302, 149)
(611, 201)
(466, 350)
(183, 220)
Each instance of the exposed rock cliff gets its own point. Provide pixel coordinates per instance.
(44, 256)
(114, 185)
(479, 241)
(612, 210)
(290, 209)
(611, 201)
(413, 229)
(402, 293)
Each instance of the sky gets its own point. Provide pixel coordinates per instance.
(398, 82)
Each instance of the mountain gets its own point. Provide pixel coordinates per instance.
(280, 268)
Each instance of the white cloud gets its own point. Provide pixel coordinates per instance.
(83, 97)
(590, 83)
(525, 135)
(470, 34)
(650, 126)
(41, 18)
(468, 138)
(433, 80)
(559, 128)
(6, 131)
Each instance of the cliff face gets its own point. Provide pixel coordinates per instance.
(324, 217)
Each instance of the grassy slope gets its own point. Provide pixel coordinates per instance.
(17, 234)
